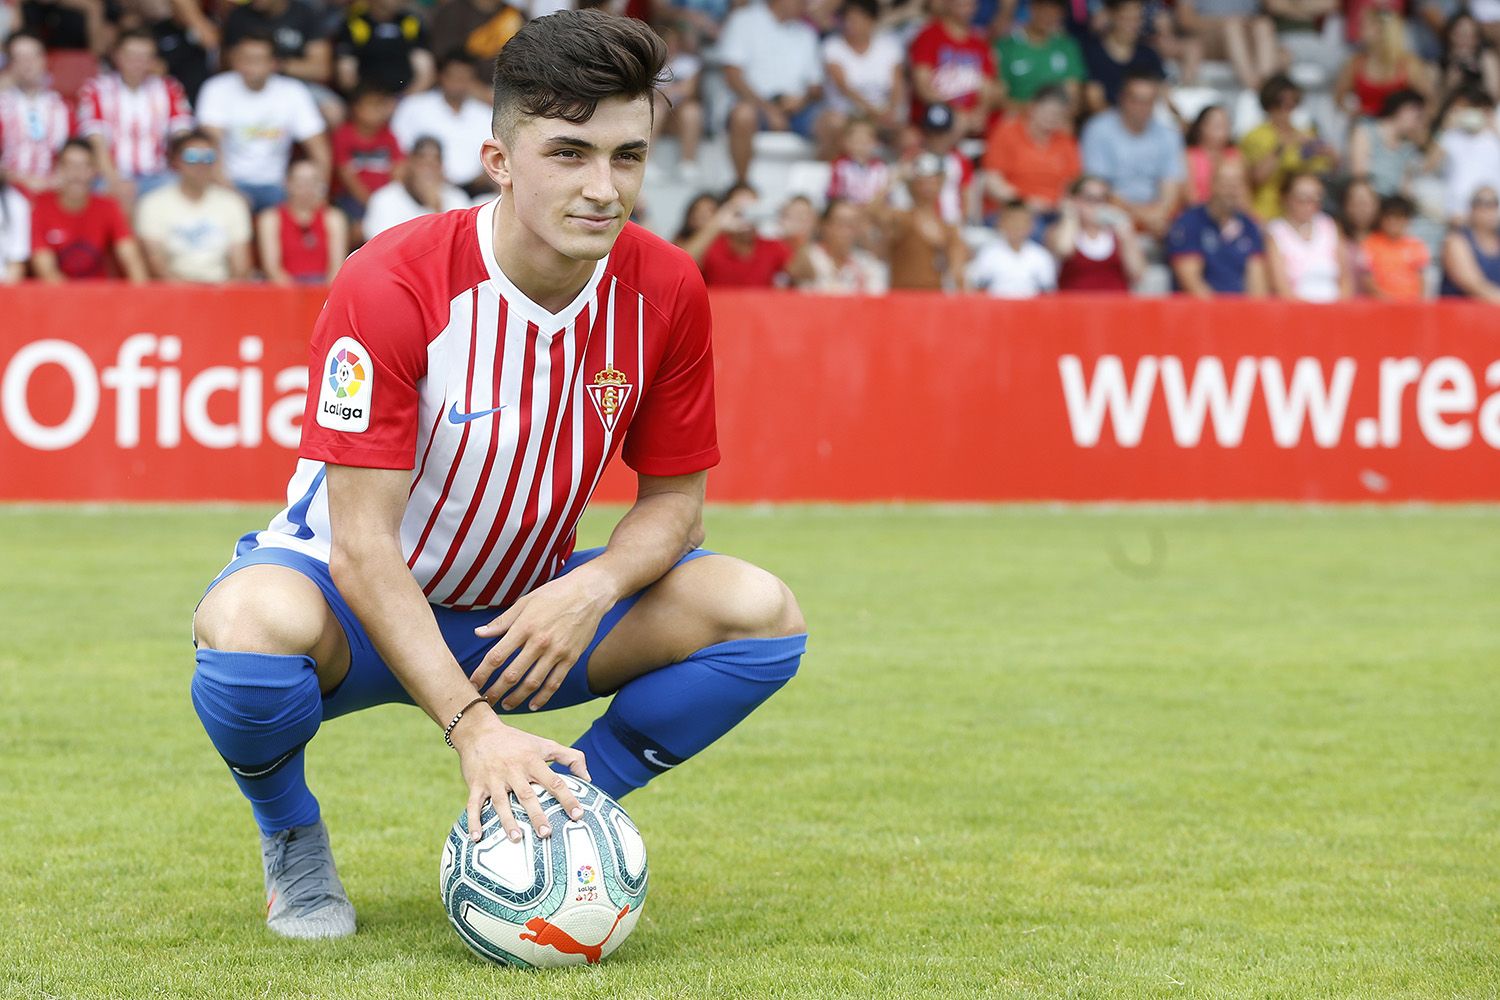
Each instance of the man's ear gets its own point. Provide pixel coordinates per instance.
(494, 155)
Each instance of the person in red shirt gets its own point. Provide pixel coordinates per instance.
(952, 64)
(470, 377)
(730, 251)
(304, 240)
(365, 150)
(76, 233)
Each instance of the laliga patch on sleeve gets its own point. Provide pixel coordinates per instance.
(348, 380)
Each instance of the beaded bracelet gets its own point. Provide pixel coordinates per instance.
(448, 733)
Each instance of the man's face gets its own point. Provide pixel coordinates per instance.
(1016, 226)
(841, 228)
(373, 111)
(28, 62)
(133, 58)
(75, 169)
(457, 81)
(575, 186)
(1136, 102)
(1046, 18)
(195, 163)
(1228, 188)
(255, 62)
(1128, 18)
(1049, 116)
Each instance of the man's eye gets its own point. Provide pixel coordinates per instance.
(570, 153)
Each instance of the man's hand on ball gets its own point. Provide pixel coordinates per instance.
(551, 627)
(497, 760)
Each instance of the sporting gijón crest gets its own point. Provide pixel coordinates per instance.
(609, 391)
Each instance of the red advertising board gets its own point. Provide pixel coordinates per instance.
(174, 393)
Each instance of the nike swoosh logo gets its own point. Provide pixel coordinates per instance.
(266, 770)
(651, 758)
(454, 417)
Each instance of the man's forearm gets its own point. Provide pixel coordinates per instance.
(657, 531)
(391, 606)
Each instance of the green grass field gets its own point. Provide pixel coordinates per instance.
(1032, 752)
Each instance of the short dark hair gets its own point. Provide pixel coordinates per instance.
(562, 65)
(1014, 205)
(368, 88)
(1397, 205)
(1403, 98)
(135, 35)
(454, 57)
(869, 7)
(79, 143)
(423, 142)
(181, 139)
(1274, 89)
(21, 35)
(1051, 92)
(255, 35)
(1140, 76)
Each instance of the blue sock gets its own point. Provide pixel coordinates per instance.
(660, 719)
(260, 710)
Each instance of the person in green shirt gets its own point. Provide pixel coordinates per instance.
(1277, 148)
(1040, 54)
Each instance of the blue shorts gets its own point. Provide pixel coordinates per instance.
(370, 682)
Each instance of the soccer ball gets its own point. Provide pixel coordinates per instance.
(568, 899)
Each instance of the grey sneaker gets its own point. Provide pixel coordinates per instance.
(304, 897)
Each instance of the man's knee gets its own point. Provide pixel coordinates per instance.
(756, 604)
(263, 609)
(744, 117)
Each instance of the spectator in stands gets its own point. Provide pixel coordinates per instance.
(33, 117)
(1118, 53)
(695, 219)
(454, 117)
(419, 189)
(1094, 242)
(1140, 157)
(773, 66)
(1015, 266)
(1277, 147)
(296, 30)
(1467, 59)
(305, 240)
(679, 104)
(1304, 258)
(1384, 66)
(180, 48)
(940, 134)
(1470, 150)
(1209, 143)
(1397, 261)
(365, 150)
(76, 233)
(1388, 149)
(77, 25)
(193, 229)
(705, 18)
(129, 115)
(15, 232)
(796, 221)
(1041, 54)
(953, 65)
(859, 176)
(834, 263)
(1359, 212)
(865, 68)
(1033, 156)
(385, 44)
(926, 251)
(254, 115)
(1216, 248)
(1471, 254)
(731, 253)
(1235, 30)
(474, 29)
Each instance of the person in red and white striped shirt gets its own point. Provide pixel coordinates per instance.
(471, 375)
(33, 119)
(129, 115)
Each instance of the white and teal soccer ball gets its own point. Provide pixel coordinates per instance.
(566, 900)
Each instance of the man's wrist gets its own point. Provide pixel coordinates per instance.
(476, 721)
(603, 584)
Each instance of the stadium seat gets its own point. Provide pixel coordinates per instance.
(810, 178)
(69, 69)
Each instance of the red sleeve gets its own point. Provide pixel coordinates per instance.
(368, 352)
(340, 144)
(38, 225)
(923, 50)
(181, 112)
(119, 226)
(90, 116)
(673, 433)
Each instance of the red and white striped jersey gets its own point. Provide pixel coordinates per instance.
(426, 357)
(136, 123)
(32, 127)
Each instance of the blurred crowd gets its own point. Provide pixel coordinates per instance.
(1308, 149)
